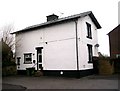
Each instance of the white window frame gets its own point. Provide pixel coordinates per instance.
(26, 57)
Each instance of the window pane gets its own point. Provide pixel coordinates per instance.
(40, 57)
(40, 65)
(28, 58)
(90, 53)
(89, 34)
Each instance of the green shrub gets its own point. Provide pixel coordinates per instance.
(8, 63)
(9, 70)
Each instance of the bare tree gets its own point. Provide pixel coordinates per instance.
(8, 38)
(8, 45)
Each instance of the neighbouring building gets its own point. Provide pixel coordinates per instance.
(60, 46)
(114, 42)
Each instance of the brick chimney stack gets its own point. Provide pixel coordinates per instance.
(52, 17)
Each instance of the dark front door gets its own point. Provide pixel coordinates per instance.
(39, 58)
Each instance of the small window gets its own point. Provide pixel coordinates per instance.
(90, 55)
(89, 33)
(18, 60)
(28, 58)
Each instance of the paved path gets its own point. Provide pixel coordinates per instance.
(90, 82)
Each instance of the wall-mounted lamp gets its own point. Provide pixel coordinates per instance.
(97, 45)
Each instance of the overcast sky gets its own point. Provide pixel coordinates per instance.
(23, 13)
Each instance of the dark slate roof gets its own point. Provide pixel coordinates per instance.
(72, 17)
(115, 29)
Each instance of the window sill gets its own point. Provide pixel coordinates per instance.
(89, 37)
(27, 62)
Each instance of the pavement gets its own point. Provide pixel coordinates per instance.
(6, 86)
(45, 82)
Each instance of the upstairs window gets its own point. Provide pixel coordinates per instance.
(28, 58)
(90, 54)
(89, 33)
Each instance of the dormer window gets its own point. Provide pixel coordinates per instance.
(89, 33)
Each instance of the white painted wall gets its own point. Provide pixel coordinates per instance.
(28, 41)
(60, 51)
(83, 41)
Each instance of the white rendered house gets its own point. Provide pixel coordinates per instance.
(60, 46)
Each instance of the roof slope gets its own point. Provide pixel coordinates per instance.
(115, 29)
(63, 19)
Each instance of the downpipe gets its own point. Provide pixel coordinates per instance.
(76, 32)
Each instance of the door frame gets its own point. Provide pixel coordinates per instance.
(38, 48)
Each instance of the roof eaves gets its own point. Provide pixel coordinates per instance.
(63, 19)
(95, 20)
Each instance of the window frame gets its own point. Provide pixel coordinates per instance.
(89, 31)
(25, 61)
(90, 53)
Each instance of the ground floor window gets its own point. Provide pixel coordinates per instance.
(90, 54)
(28, 58)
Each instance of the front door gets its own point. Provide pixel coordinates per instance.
(39, 58)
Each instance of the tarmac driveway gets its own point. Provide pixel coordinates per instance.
(44, 82)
